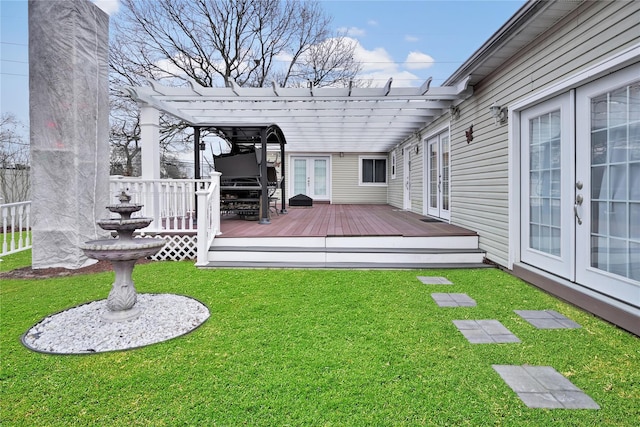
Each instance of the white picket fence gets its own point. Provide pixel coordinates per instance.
(16, 227)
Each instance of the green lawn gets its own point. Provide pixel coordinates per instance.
(312, 347)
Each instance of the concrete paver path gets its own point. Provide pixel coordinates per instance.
(547, 319)
(453, 300)
(485, 331)
(544, 387)
(433, 280)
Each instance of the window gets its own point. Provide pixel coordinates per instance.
(373, 171)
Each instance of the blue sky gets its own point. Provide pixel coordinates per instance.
(408, 40)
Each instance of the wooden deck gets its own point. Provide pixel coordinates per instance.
(327, 220)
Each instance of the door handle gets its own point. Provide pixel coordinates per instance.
(579, 200)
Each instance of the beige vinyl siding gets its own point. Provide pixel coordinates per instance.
(479, 170)
(395, 187)
(345, 182)
(417, 177)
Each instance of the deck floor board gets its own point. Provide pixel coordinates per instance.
(322, 220)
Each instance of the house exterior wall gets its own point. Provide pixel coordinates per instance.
(344, 178)
(345, 181)
(480, 169)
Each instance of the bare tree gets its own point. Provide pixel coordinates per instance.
(212, 42)
(125, 118)
(14, 160)
(249, 41)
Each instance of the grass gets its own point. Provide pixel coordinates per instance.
(311, 347)
(14, 240)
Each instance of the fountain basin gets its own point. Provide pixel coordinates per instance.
(130, 224)
(124, 208)
(119, 250)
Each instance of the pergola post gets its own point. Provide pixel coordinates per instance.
(264, 195)
(283, 193)
(197, 173)
(150, 154)
(150, 142)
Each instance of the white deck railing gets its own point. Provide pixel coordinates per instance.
(16, 227)
(208, 218)
(170, 202)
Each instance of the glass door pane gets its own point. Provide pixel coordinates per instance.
(320, 177)
(608, 164)
(545, 175)
(615, 182)
(433, 174)
(299, 176)
(445, 172)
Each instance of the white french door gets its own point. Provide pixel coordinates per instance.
(311, 177)
(608, 167)
(547, 229)
(580, 185)
(437, 176)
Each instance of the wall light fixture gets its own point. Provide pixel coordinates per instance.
(498, 113)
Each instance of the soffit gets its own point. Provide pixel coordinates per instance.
(532, 20)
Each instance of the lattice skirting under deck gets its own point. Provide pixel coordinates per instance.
(178, 247)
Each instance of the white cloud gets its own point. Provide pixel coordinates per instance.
(378, 66)
(372, 22)
(352, 31)
(418, 61)
(108, 6)
(376, 59)
(411, 39)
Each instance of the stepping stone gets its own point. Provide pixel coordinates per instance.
(453, 300)
(433, 280)
(485, 331)
(547, 319)
(544, 387)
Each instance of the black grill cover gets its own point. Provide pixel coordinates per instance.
(300, 200)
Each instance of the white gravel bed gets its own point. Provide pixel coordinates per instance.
(82, 330)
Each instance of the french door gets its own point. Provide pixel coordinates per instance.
(437, 179)
(580, 185)
(547, 222)
(311, 177)
(608, 169)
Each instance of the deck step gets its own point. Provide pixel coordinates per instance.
(336, 266)
(328, 252)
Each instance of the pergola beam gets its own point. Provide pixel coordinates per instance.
(313, 119)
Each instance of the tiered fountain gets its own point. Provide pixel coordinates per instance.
(122, 252)
(125, 319)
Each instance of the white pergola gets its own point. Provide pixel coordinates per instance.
(313, 120)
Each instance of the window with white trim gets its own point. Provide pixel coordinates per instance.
(373, 170)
